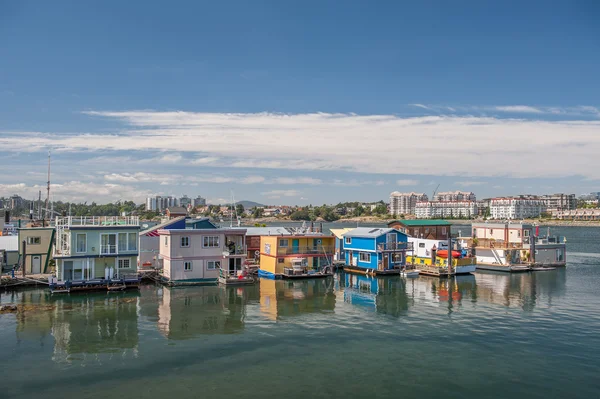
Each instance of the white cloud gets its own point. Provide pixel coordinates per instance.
(420, 106)
(407, 182)
(526, 109)
(469, 183)
(472, 146)
(298, 180)
(281, 193)
(252, 180)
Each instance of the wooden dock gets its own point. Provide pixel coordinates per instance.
(371, 272)
(504, 268)
(32, 280)
(434, 271)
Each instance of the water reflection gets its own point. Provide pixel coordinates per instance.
(280, 298)
(187, 312)
(110, 323)
(523, 290)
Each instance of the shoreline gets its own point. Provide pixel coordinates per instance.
(373, 219)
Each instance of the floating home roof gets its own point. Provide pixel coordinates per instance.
(422, 222)
(340, 232)
(368, 232)
(266, 231)
(153, 231)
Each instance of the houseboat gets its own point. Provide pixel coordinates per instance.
(95, 253)
(428, 253)
(374, 250)
(201, 256)
(516, 247)
(294, 256)
(339, 256)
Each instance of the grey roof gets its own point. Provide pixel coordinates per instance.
(367, 232)
(9, 243)
(162, 225)
(265, 231)
(177, 209)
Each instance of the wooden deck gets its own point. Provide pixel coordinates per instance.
(435, 271)
(371, 272)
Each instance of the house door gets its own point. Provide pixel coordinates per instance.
(386, 262)
(36, 264)
(67, 270)
(295, 246)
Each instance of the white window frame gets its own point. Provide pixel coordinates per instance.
(136, 241)
(207, 244)
(187, 241)
(364, 257)
(77, 243)
(119, 235)
(116, 243)
(282, 241)
(122, 262)
(213, 264)
(34, 240)
(348, 240)
(188, 266)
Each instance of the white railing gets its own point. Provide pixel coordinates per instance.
(108, 249)
(96, 221)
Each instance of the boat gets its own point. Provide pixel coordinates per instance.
(443, 253)
(541, 268)
(410, 273)
(431, 256)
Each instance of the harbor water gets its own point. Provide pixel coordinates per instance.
(488, 335)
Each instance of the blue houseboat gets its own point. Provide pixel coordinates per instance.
(372, 250)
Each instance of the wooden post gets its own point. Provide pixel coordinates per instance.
(24, 263)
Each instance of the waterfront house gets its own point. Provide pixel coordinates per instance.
(36, 254)
(515, 247)
(306, 252)
(92, 247)
(9, 252)
(198, 255)
(375, 249)
(253, 235)
(340, 254)
(419, 228)
(150, 242)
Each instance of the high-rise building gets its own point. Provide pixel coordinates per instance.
(199, 201)
(404, 203)
(185, 201)
(445, 209)
(559, 202)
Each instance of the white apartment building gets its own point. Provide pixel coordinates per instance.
(159, 204)
(455, 196)
(516, 208)
(199, 201)
(445, 209)
(405, 203)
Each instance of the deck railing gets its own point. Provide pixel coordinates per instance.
(238, 250)
(395, 246)
(306, 250)
(96, 221)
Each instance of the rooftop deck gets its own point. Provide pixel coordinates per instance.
(96, 221)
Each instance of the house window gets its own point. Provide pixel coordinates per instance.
(166, 241)
(187, 266)
(132, 241)
(444, 231)
(280, 260)
(122, 242)
(81, 243)
(108, 244)
(124, 263)
(491, 231)
(519, 233)
(185, 242)
(283, 243)
(213, 264)
(426, 231)
(210, 242)
(348, 240)
(416, 232)
(34, 240)
(365, 257)
(421, 245)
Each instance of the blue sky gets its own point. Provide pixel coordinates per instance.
(299, 102)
